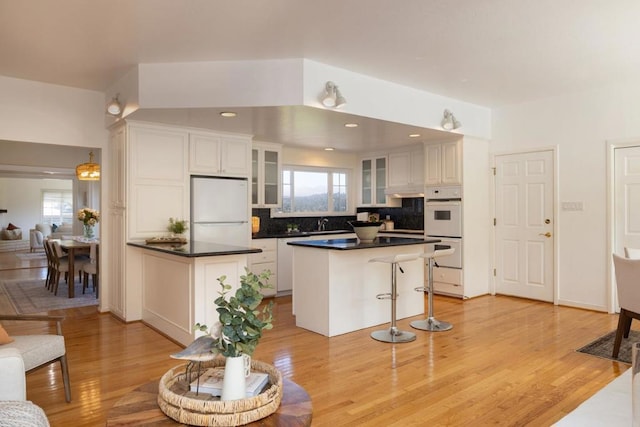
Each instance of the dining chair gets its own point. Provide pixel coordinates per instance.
(50, 263)
(91, 268)
(627, 273)
(61, 265)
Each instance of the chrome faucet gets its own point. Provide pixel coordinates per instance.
(322, 222)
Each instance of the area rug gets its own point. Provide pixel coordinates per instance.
(603, 346)
(31, 255)
(31, 296)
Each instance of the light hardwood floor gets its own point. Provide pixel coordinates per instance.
(507, 361)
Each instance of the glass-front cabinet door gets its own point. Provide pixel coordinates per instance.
(271, 175)
(367, 180)
(373, 181)
(266, 167)
(255, 172)
(381, 180)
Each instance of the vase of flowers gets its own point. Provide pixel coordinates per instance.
(89, 218)
(241, 326)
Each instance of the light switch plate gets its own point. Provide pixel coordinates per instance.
(572, 206)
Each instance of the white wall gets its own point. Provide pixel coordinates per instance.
(319, 157)
(22, 198)
(579, 125)
(51, 114)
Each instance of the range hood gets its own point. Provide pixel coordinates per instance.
(401, 192)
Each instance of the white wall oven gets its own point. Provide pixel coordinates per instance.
(451, 261)
(443, 220)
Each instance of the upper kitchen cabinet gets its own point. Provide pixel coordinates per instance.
(373, 181)
(266, 169)
(220, 155)
(157, 184)
(406, 171)
(443, 163)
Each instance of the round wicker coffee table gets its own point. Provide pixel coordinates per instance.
(140, 407)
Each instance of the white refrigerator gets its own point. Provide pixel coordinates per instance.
(220, 210)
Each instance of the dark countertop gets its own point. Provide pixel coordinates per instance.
(348, 244)
(285, 235)
(402, 231)
(195, 249)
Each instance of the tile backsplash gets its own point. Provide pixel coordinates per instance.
(410, 216)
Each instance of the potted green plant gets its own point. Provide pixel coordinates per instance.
(177, 226)
(240, 329)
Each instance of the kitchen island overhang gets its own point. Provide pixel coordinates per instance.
(178, 284)
(335, 285)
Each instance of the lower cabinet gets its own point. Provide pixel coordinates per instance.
(285, 266)
(447, 281)
(266, 260)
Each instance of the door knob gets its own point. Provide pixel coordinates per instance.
(547, 234)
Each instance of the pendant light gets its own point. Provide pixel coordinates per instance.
(89, 171)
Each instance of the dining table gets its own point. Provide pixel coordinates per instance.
(73, 247)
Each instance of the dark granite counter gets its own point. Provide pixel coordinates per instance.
(195, 249)
(285, 235)
(402, 231)
(348, 244)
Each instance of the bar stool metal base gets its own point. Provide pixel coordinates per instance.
(431, 324)
(393, 335)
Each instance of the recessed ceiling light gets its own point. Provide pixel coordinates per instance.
(414, 135)
(328, 149)
(351, 125)
(228, 114)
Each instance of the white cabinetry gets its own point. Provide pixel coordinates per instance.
(266, 260)
(443, 163)
(158, 186)
(221, 155)
(285, 265)
(115, 228)
(266, 169)
(373, 181)
(406, 170)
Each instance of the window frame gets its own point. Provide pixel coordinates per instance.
(276, 213)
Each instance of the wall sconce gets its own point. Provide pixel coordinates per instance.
(89, 171)
(332, 97)
(114, 108)
(449, 121)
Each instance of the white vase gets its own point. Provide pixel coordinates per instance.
(236, 371)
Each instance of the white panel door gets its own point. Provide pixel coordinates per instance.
(524, 225)
(627, 198)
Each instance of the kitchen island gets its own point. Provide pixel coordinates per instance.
(179, 282)
(335, 285)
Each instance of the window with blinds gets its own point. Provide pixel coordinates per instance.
(57, 207)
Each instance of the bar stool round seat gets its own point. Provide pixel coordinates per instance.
(393, 334)
(431, 323)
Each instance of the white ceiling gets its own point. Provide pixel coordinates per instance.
(490, 52)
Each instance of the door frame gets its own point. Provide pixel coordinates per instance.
(555, 179)
(611, 146)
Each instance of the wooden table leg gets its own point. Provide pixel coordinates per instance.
(72, 274)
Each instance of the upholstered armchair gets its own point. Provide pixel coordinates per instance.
(37, 351)
(14, 408)
(37, 236)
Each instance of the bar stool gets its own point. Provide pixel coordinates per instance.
(431, 323)
(393, 334)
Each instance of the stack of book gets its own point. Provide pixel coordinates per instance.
(211, 382)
